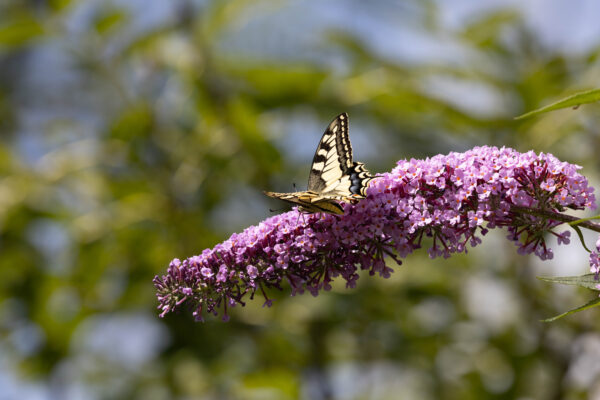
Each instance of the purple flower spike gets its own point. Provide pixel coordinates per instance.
(453, 199)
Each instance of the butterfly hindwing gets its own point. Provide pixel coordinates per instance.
(359, 179)
(333, 175)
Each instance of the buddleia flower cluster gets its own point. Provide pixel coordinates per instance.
(447, 202)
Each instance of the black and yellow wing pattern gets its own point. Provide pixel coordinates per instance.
(334, 177)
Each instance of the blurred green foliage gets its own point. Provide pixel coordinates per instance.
(133, 133)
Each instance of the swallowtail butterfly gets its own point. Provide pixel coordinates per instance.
(334, 177)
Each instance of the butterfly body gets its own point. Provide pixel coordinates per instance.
(334, 176)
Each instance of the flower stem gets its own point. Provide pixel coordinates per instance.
(556, 217)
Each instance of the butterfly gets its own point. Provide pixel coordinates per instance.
(334, 177)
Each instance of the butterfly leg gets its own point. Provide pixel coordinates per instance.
(300, 215)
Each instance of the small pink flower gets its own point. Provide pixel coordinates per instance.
(252, 271)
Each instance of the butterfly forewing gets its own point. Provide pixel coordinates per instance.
(333, 156)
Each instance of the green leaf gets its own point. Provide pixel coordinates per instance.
(282, 84)
(19, 31)
(587, 281)
(59, 5)
(133, 122)
(581, 239)
(486, 32)
(589, 96)
(593, 303)
(109, 20)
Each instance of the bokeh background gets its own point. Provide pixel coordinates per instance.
(136, 131)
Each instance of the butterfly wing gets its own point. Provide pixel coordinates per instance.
(309, 202)
(359, 178)
(332, 158)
